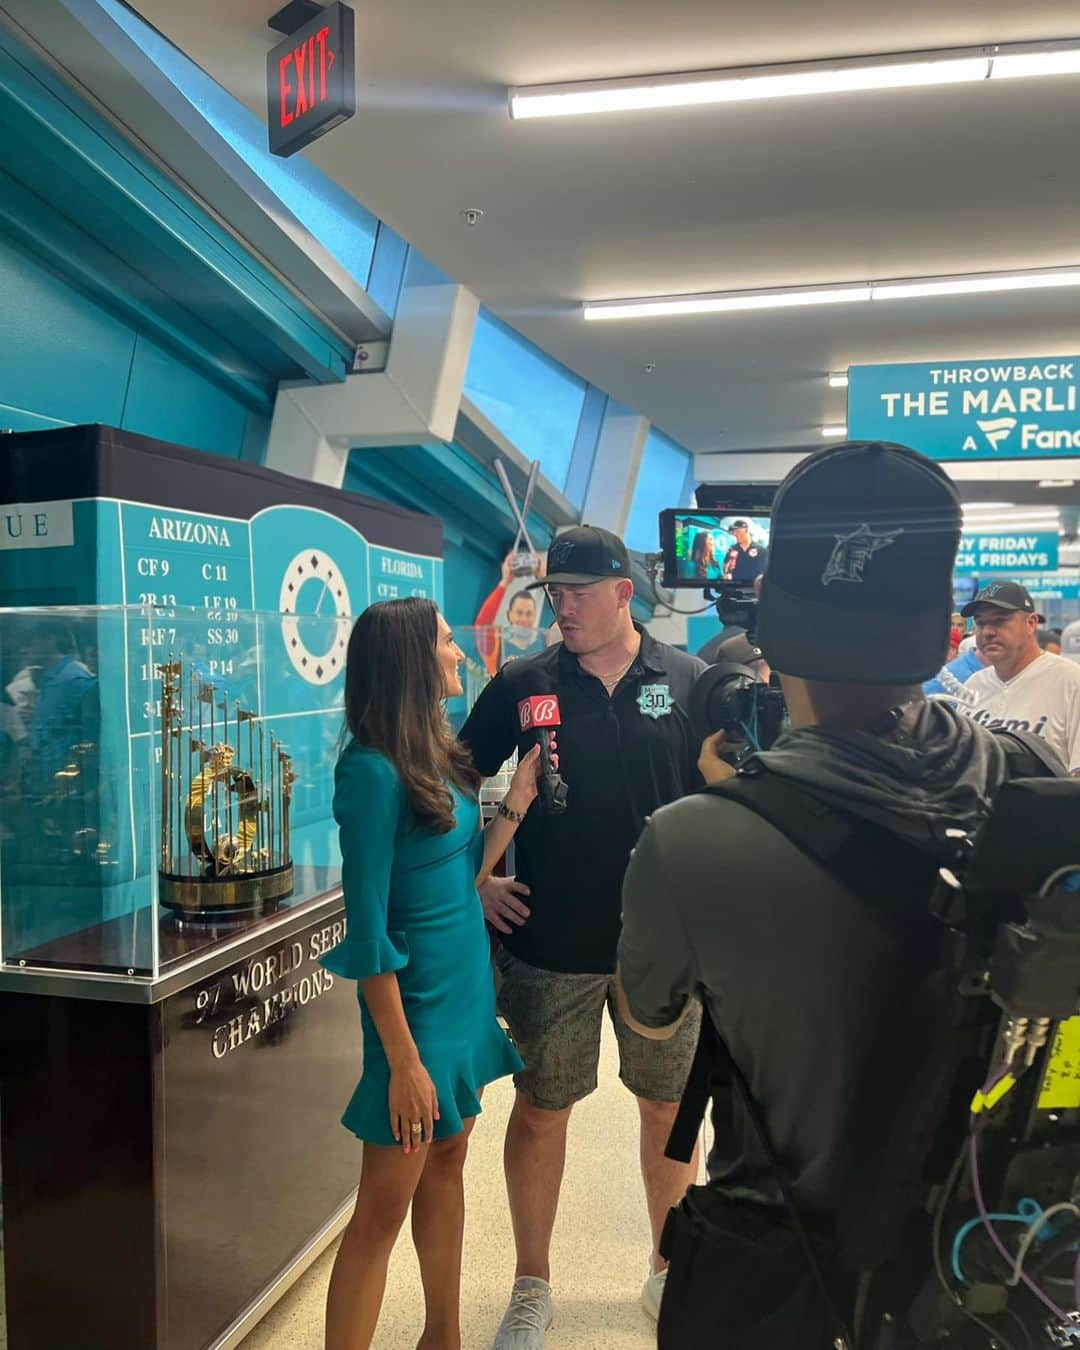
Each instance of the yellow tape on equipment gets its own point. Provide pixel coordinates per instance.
(1061, 1085)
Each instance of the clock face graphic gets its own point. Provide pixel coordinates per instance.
(314, 588)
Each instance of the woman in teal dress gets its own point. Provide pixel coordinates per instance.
(405, 799)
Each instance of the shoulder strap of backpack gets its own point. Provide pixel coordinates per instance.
(871, 862)
(1028, 754)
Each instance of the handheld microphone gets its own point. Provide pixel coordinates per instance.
(540, 713)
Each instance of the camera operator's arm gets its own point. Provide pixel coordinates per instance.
(656, 976)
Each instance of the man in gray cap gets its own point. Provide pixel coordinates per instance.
(1024, 688)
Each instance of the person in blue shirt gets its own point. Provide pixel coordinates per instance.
(66, 709)
(951, 678)
(405, 798)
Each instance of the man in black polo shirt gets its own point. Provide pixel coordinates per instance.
(625, 748)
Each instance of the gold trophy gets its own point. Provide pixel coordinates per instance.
(225, 817)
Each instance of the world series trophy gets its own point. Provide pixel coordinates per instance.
(225, 815)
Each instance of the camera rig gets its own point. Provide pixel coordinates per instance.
(1006, 1221)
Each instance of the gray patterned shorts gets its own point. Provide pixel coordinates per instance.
(555, 1020)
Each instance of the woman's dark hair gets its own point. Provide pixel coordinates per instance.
(393, 704)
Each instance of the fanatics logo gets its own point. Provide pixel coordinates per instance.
(997, 431)
(853, 551)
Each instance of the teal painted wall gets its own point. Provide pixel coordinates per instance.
(64, 358)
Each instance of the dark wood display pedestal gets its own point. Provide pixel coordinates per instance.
(172, 1152)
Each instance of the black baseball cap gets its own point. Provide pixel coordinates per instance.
(740, 524)
(1006, 595)
(858, 585)
(584, 554)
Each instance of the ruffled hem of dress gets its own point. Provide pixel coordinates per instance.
(458, 1071)
(360, 960)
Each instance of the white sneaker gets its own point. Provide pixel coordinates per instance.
(652, 1294)
(528, 1316)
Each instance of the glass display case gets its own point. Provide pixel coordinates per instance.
(166, 781)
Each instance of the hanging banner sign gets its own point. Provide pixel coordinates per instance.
(950, 410)
(311, 80)
(1002, 552)
(1054, 586)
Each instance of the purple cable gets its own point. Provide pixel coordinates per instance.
(976, 1187)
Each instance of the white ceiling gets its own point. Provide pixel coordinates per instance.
(971, 178)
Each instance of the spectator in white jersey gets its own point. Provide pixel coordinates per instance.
(1023, 688)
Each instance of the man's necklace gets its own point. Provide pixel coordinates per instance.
(612, 678)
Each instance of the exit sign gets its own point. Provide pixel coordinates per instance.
(311, 80)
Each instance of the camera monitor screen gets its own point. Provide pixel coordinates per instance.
(717, 548)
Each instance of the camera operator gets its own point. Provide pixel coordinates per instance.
(819, 967)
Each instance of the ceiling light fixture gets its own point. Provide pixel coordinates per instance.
(838, 379)
(1011, 524)
(850, 75)
(725, 302)
(987, 506)
(719, 302)
(1057, 482)
(835, 433)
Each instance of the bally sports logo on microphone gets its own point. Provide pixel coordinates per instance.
(541, 710)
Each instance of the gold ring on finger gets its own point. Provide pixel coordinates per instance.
(416, 1129)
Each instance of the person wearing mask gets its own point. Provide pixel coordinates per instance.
(1023, 688)
(508, 622)
(405, 798)
(819, 976)
(625, 747)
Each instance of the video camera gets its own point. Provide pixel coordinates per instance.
(721, 548)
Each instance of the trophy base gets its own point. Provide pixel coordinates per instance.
(224, 897)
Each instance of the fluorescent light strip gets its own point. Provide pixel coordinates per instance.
(981, 284)
(719, 302)
(987, 506)
(852, 75)
(1020, 517)
(838, 379)
(834, 433)
(726, 302)
(1032, 516)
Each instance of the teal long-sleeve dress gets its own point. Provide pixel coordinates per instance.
(411, 908)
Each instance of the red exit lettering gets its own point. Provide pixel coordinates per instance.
(302, 77)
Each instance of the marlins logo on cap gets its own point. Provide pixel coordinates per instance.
(853, 551)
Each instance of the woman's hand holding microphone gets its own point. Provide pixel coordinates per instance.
(524, 786)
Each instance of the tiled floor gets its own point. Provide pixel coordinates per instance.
(600, 1253)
